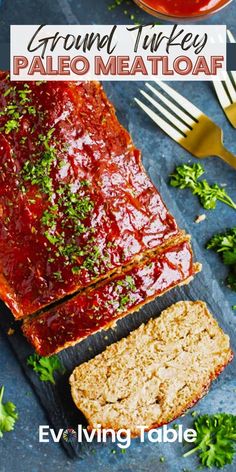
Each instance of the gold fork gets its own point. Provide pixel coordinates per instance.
(226, 91)
(185, 123)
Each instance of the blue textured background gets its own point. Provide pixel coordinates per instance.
(20, 450)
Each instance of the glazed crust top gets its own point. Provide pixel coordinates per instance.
(75, 201)
(100, 306)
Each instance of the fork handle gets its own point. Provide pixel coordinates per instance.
(227, 156)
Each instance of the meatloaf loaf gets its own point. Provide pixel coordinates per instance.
(156, 373)
(79, 216)
(75, 202)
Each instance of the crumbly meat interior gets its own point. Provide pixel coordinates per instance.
(156, 373)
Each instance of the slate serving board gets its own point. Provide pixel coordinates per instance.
(57, 401)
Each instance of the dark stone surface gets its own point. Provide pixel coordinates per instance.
(20, 450)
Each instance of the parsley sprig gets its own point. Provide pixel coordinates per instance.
(216, 439)
(8, 415)
(127, 9)
(186, 176)
(45, 367)
(225, 244)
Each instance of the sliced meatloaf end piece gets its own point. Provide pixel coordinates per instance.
(156, 373)
(101, 306)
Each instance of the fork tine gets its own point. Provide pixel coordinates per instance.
(222, 95)
(186, 118)
(188, 106)
(230, 37)
(166, 113)
(172, 132)
(230, 83)
(230, 88)
(232, 40)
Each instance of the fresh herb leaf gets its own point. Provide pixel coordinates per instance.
(8, 415)
(11, 125)
(225, 244)
(186, 176)
(216, 439)
(223, 241)
(231, 280)
(229, 257)
(45, 367)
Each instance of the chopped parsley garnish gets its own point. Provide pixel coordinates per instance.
(216, 439)
(53, 239)
(11, 125)
(38, 173)
(8, 91)
(32, 110)
(127, 282)
(127, 10)
(49, 216)
(58, 275)
(45, 367)
(75, 208)
(24, 94)
(8, 415)
(91, 260)
(124, 299)
(64, 219)
(23, 139)
(186, 176)
(16, 108)
(225, 244)
(130, 282)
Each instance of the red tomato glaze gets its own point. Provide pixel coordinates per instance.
(183, 8)
(99, 307)
(75, 201)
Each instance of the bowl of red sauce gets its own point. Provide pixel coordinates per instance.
(182, 10)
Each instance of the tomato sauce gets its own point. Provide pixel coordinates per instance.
(100, 307)
(184, 8)
(75, 201)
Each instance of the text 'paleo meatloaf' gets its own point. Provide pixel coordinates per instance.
(75, 201)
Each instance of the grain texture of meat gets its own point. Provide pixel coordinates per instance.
(156, 373)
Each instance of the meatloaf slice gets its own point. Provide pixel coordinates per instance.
(156, 373)
(100, 306)
(75, 201)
